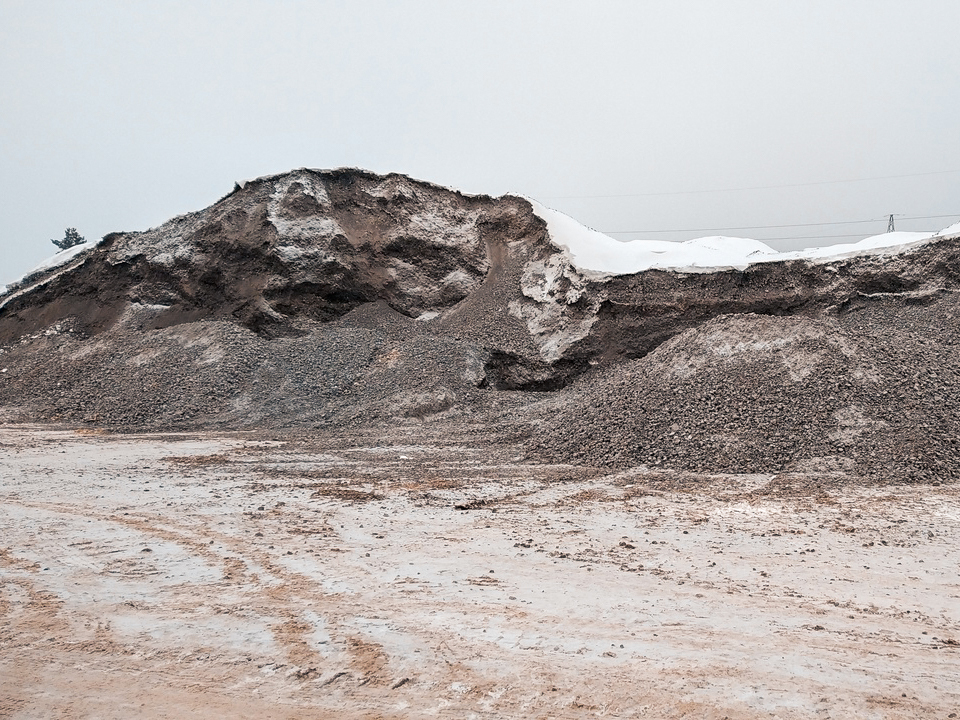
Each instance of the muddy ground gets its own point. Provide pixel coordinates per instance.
(369, 576)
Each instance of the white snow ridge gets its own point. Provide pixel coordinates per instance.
(593, 251)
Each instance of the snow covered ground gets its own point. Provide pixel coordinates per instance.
(60, 258)
(592, 250)
(214, 575)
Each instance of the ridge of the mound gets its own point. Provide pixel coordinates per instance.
(588, 250)
(305, 244)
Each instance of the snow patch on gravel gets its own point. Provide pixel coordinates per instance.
(591, 250)
(65, 256)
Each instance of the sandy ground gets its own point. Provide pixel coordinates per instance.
(231, 575)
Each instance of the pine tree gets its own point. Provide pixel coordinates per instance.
(70, 238)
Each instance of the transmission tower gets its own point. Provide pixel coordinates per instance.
(890, 227)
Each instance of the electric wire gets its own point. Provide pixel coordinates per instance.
(793, 225)
(756, 187)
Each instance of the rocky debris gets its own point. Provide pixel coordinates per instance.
(867, 392)
(347, 299)
(215, 373)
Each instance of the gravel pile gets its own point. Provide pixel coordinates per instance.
(371, 365)
(870, 392)
(347, 300)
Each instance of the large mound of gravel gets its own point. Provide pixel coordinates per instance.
(871, 391)
(344, 299)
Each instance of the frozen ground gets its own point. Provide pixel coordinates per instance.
(252, 576)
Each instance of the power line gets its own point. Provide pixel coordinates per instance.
(756, 187)
(812, 237)
(770, 227)
(744, 227)
(926, 217)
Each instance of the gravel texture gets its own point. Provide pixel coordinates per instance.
(869, 392)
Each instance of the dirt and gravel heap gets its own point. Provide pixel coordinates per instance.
(870, 392)
(343, 298)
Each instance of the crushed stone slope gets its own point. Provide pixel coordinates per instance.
(869, 392)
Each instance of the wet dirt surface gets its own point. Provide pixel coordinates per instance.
(247, 575)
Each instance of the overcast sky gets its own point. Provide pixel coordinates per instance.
(630, 115)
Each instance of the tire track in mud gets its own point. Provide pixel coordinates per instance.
(266, 589)
(698, 665)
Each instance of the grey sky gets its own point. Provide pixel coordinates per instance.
(119, 115)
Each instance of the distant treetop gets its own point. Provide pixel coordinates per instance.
(70, 238)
